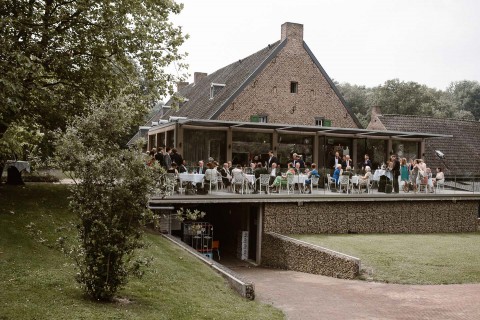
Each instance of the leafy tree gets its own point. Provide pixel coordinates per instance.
(110, 194)
(466, 96)
(399, 97)
(358, 99)
(56, 56)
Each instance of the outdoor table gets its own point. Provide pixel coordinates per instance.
(300, 179)
(380, 172)
(190, 177)
(20, 165)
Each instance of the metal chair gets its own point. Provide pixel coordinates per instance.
(440, 185)
(344, 183)
(314, 182)
(239, 181)
(290, 183)
(330, 180)
(264, 181)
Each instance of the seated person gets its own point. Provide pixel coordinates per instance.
(173, 169)
(283, 178)
(439, 177)
(210, 173)
(238, 176)
(337, 173)
(274, 173)
(258, 171)
(313, 173)
(363, 180)
(226, 176)
(348, 172)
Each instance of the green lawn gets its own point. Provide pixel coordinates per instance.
(408, 258)
(37, 282)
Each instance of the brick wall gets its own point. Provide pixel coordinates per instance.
(269, 94)
(372, 217)
(286, 253)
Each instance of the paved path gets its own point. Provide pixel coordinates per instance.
(305, 296)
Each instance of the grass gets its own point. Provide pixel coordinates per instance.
(410, 258)
(37, 282)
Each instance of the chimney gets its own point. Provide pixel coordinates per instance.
(292, 31)
(375, 122)
(376, 111)
(181, 85)
(197, 76)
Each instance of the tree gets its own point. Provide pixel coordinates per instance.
(110, 194)
(399, 97)
(466, 96)
(56, 56)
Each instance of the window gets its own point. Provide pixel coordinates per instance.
(322, 122)
(257, 118)
(215, 88)
(293, 87)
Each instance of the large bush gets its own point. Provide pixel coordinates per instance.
(110, 195)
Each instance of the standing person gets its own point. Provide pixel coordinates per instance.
(347, 162)
(404, 173)
(176, 157)
(366, 162)
(271, 160)
(159, 156)
(335, 160)
(395, 173)
(167, 160)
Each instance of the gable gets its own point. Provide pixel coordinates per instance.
(269, 94)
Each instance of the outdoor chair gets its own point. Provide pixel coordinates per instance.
(290, 183)
(263, 181)
(330, 181)
(314, 182)
(365, 184)
(344, 183)
(216, 248)
(440, 185)
(239, 181)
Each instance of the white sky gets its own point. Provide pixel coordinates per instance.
(364, 42)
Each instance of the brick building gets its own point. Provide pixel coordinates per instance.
(279, 98)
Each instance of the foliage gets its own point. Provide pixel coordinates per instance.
(190, 215)
(110, 195)
(36, 281)
(56, 56)
(461, 100)
(467, 95)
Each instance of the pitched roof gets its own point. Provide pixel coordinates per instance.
(235, 76)
(462, 150)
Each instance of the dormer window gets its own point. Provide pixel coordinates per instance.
(259, 118)
(293, 87)
(322, 122)
(215, 88)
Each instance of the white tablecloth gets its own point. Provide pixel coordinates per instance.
(300, 178)
(20, 165)
(380, 172)
(191, 177)
(250, 177)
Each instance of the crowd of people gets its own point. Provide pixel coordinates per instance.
(413, 174)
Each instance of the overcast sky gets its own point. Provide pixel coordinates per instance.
(362, 42)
